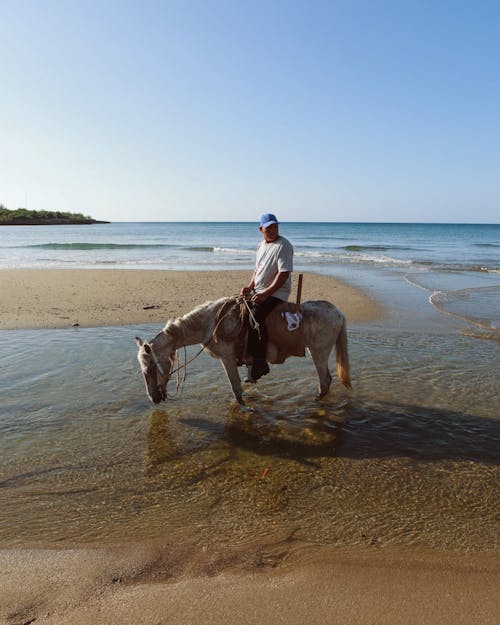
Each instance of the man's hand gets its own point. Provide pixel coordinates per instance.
(259, 297)
(246, 291)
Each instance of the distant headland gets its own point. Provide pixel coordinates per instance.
(25, 217)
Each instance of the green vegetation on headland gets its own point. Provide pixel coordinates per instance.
(25, 217)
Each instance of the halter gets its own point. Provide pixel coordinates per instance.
(156, 361)
(186, 362)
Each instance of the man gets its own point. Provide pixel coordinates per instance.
(271, 284)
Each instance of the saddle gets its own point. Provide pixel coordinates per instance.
(282, 342)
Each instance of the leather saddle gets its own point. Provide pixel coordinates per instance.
(282, 342)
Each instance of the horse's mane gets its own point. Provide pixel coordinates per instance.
(193, 319)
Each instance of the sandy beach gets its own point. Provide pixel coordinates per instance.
(58, 298)
(169, 582)
(146, 585)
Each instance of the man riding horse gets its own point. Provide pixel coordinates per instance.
(270, 285)
(217, 327)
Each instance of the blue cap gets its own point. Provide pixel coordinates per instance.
(268, 219)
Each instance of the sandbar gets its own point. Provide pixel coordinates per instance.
(60, 298)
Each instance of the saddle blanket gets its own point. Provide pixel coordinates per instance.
(293, 320)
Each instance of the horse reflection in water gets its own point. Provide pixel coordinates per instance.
(162, 447)
(191, 447)
(323, 327)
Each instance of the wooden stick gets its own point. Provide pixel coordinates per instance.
(299, 293)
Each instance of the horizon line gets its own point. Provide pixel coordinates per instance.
(216, 221)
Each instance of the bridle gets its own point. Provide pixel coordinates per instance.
(156, 361)
(174, 355)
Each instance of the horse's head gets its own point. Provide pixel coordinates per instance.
(156, 358)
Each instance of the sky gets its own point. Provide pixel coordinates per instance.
(208, 110)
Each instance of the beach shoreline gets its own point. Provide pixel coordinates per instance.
(61, 298)
(144, 584)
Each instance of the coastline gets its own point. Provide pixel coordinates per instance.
(60, 298)
(52, 222)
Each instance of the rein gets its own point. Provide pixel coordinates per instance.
(183, 366)
(256, 324)
(187, 362)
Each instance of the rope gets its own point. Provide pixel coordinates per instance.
(179, 381)
(255, 323)
(183, 366)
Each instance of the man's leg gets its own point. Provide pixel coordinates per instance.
(257, 338)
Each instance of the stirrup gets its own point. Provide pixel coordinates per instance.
(259, 369)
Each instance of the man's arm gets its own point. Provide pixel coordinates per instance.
(246, 290)
(276, 284)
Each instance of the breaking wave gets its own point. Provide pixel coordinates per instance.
(99, 246)
(478, 307)
(373, 248)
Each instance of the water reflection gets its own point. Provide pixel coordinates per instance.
(362, 431)
(345, 472)
(161, 445)
(268, 439)
(386, 429)
(418, 437)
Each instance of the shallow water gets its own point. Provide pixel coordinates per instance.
(410, 459)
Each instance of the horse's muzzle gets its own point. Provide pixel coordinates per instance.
(157, 397)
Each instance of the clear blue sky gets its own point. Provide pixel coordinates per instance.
(216, 110)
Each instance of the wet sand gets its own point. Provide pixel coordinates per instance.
(153, 585)
(59, 298)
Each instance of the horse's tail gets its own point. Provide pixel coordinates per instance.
(342, 353)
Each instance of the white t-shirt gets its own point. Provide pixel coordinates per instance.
(273, 258)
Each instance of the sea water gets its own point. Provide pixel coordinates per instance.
(410, 458)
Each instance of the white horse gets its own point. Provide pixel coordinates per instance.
(323, 326)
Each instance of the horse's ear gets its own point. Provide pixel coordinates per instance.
(139, 341)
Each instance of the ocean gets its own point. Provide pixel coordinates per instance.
(409, 459)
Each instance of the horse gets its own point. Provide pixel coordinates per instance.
(323, 327)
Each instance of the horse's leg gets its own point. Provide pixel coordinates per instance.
(320, 359)
(231, 369)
